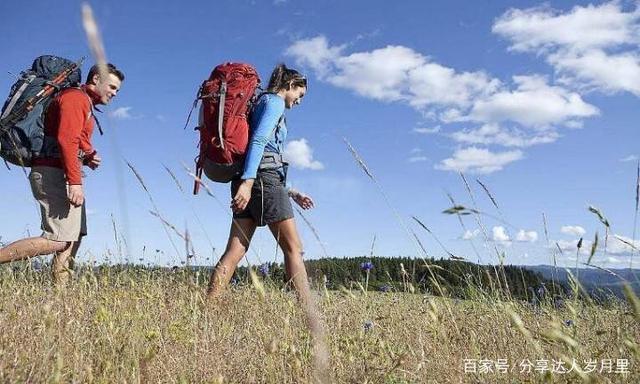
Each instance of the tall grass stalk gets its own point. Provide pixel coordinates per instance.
(155, 207)
(402, 223)
(488, 240)
(464, 229)
(184, 195)
(554, 271)
(313, 231)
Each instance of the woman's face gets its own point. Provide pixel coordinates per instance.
(293, 96)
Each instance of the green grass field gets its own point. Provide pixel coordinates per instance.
(133, 326)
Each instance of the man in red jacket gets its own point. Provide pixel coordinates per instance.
(56, 176)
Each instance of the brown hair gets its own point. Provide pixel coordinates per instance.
(95, 70)
(285, 78)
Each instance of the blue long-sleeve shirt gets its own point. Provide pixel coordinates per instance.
(264, 136)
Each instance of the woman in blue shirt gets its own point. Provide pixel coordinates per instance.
(260, 197)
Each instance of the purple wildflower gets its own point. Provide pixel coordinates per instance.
(264, 269)
(366, 266)
(368, 325)
(568, 323)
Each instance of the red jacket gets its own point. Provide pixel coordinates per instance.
(69, 120)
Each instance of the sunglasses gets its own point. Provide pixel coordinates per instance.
(303, 79)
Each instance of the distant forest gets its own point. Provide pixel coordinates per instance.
(452, 278)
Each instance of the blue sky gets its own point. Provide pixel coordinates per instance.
(536, 100)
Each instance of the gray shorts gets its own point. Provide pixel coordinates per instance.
(61, 221)
(269, 202)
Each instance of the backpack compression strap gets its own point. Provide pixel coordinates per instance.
(18, 114)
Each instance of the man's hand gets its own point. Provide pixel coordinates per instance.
(76, 195)
(241, 199)
(94, 162)
(304, 201)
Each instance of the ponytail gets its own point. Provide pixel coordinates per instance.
(285, 78)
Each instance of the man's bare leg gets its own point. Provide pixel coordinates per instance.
(30, 247)
(62, 266)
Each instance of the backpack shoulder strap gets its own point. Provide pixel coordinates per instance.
(92, 108)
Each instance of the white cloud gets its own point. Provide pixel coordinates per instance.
(597, 69)
(468, 235)
(527, 236)
(581, 28)
(533, 103)
(300, 155)
(427, 131)
(617, 246)
(315, 53)
(382, 74)
(432, 83)
(574, 230)
(571, 246)
(574, 124)
(121, 113)
(495, 134)
(500, 235)
(418, 158)
(392, 73)
(534, 108)
(478, 160)
(593, 46)
(629, 158)
(613, 260)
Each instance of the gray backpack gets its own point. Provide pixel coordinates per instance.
(22, 118)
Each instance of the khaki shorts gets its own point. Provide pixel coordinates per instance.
(61, 221)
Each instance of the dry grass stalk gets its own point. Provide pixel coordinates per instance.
(93, 35)
(486, 190)
(168, 224)
(154, 205)
(501, 282)
(194, 211)
(314, 231)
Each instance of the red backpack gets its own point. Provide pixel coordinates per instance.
(227, 97)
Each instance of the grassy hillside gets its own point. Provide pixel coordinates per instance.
(126, 325)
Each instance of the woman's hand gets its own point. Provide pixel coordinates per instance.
(304, 201)
(241, 199)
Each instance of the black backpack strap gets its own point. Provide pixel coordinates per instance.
(95, 118)
(93, 108)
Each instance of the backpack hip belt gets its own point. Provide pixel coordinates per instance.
(271, 160)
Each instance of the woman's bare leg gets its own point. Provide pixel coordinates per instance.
(286, 235)
(239, 238)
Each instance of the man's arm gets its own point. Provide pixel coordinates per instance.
(74, 109)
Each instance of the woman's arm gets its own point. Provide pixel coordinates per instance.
(304, 201)
(270, 111)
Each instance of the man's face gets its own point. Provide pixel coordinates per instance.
(106, 89)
